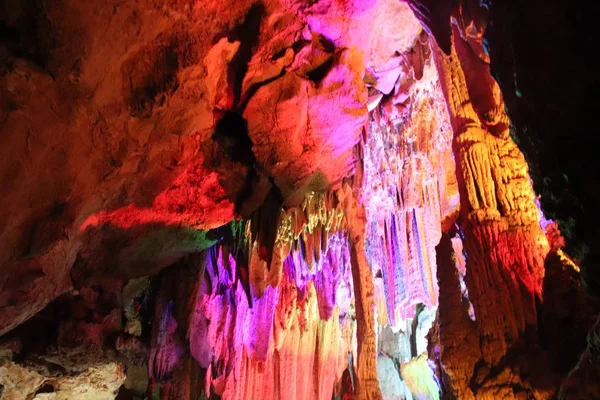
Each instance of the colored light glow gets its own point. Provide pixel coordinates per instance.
(195, 199)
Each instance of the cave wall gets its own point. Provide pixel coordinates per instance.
(150, 122)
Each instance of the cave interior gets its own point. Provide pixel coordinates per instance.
(299, 199)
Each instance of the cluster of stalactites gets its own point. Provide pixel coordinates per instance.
(249, 343)
(274, 233)
(307, 228)
(406, 255)
(409, 190)
(282, 342)
(404, 228)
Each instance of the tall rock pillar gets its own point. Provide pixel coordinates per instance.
(499, 221)
(364, 292)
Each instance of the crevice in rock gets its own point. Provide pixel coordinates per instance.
(265, 224)
(26, 36)
(413, 337)
(45, 388)
(231, 134)
(254, 88)
(319, 73)
(474, 385)
(248, 33)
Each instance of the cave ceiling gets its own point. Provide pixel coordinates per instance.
(137, 125)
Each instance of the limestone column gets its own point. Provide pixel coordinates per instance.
(499, 220)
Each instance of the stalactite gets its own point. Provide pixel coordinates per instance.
(165, 351)
(304, 358)
(274, 310)
(283, 337)
(259, 324)
(306, 227)
(198, 332)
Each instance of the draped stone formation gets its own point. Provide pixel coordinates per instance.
(409, 189)
(504, 243)
(279, 346)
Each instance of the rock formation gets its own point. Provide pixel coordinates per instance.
(278, 199)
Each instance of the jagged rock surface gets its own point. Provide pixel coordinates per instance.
(253, 345)
(101, 382)
(117, 104)
(503, 239)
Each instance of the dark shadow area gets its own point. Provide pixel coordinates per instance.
(247, 33)
(45, 388)
(543, 57)
(231, 133)
(319, 73)
(24, 31)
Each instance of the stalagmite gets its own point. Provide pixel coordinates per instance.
(457, 349)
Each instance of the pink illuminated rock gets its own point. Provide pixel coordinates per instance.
(259, 324)
(285, 336)
(165, 351)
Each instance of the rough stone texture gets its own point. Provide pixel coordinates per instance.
(454, 343)
(280, 344)
(419, 378)
(551, 131)
(96, 383)
(503, 239)
(367, 384)
(115, 104)
(392, 387)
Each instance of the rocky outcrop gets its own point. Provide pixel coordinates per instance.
(501, 234)
(153, 126)
(36, 382)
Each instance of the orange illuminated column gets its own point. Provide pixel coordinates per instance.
(364, 296)
(504, 243)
